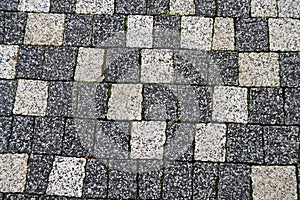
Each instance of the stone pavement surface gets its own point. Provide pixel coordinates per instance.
(149, 99)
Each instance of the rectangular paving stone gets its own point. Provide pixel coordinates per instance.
(14, 26)
(182, 7)
(10, 5)
(263, 8)
(292, 105)
(223, 38)
(130, 6)
(8, 55)
(157, 7)
(206, 8)
(8, 92)
(95, 7)
(50, 197)
(1, 27)
(284, 34)
(39, 167)
(66, 177)
(62, 6)
(5, 132)
(289, 8)
(274, 182)
(233, 8)
(281, 144)
(34, 5)
(21, 197)
(290, 69)
(13, 175)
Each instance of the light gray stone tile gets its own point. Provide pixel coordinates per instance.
(289, 8)
(182, 7)
(263, 8)
(8, 61)
(95, 6)
(34, 5)
(223, 38)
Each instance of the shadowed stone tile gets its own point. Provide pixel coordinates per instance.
(157, 7)
(289, 8)
(292, 105)
(34, 5)
(205, 8)
(8, 57)
(263, 8)
(2, 27)
(5, 132)
(20, 197)
(95, 7)
(10, 5)
(290, 69)
(130, 6)
(233, 8)
(7, 96)
(14, 26)
(182, 7)
(62, 6)
(223, 38)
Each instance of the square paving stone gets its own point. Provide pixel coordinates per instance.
(48, 133)
(205, 177)
(230, 104)
(34, 5)
(5, 131)
(95, 7)
(13, 175)
(263, 8)
(233, 8)
(196, 32)
(78, 30)
(59, 63)
(245, 143)
(160, 102)
(274, 182)
(44, 29)
(266, 106)
(281, 144)
(20, 140)
(30, 62)
(223, 38)
(31, 97)
(10, 5)
(166, 32)
(14, 26)
(205, 8)
(20, 197)
(259, 69)
(39, 167)
(182, 7)
(122, 65)
(147, 139)
(210, 142)
(8, 92)
(62, 6)
(252, 34)
(66, 177)
(290, 69)
(130, 6)
(292, 105)
(289, 8)
(177, 180)
(284, 34)
(8, 61)
(234, 182)
(157, 7)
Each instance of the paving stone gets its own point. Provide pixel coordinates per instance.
(233, 8)
(292, 105)
(182, 7)
(210, 142)
(177, 182)
(78, 30)
(122, 179)
(230, 104)
(44, 29)
(66, 177)
(89, 65)
(34, 5)
(10, 5)
(62, 6)
(157, 7)
(157, 66)
(20, 197)
(179, 142)
(109, 31)
(196, 32)
(8, 91)
(130, 6)
(274, 182)
(13, 172)
(166, 32)
(95, 182)
(2, 34)
(259, 69)
(59, 63)
(289, 8)
(281, 144)
(205, 177)
(245, 143)
(125, 102)
(8, 56)
(49, 197)
(30, 62)
(48, 133)
(139, 31)
(160, 102)
(39, 167)
(14, 26)
(290, 69)
(5, 131)
(194, 103)
(22, 133)
(31, 98)
(223, 38)
(122, 65)
(284, 34)
(205, 8)
(95, 7)
(252, 34)
(234, 182)
(263, 8)
(266, 106)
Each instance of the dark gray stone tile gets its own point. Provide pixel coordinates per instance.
(130, 6)
(39, 167)
(54, 198)
(9, 5)
(205, 8)
(245, 143)
(233, 8)
(20, 197)
(14, 27)
(292, 105)
(290, 69)
(281, 144)
(5, 131)
(1, 27)
(62, 6)
(252, 34)
(157, 7)
(7, 95)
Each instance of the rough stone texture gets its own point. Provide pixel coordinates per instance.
(62, 6)
(2, 34)
(5, 131)
(233, 8)
(263, 8)
(44, 29)
(8, 61)
(13, 172)
(223, 38)
(20, 197)
(205, 8)
(292, 106)
(14, 25)
(125, 102)
(10, 5)
(259, 69)
(290, 69)
(34, 5)
(289, 8)
(284, 34)
(95, 7)
(230, 104)
(130, 6)
(157, 7)
(66, 177)
(8, 91)
(274, 182)
(31, 98)
(182, 7)
(210, 142)
(196, 32)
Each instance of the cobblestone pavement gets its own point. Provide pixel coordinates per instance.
(149, 99)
